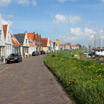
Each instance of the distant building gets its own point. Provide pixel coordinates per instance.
(38, 42)
(67, 47)
(32, 46)
(45, 44)
(15, 45)
(24, 43)
(75, 47)
(62, 47)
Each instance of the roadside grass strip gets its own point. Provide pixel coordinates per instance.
(83, 80)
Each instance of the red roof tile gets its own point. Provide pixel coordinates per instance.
(39, 37)
(50, 43)
(32, 45)
(62, 45)
(5, 30)
(30, 36)
(14, 40)
(44, 42)
(36, 36)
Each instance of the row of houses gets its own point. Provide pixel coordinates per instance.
(68, 46)
(25, 43)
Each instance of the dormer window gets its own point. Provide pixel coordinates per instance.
(0, 34)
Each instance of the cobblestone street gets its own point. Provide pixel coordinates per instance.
(30, 82)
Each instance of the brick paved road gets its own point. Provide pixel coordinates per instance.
(30, 82)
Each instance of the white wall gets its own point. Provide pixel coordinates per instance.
(31, 49)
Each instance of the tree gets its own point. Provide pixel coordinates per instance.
(79, 45)
(68, 43)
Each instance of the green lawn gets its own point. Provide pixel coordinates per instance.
(83, 80)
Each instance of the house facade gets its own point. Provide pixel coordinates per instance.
(45, 44)
(38, 42)
(32, 46)
(15, 45)
(62, 47)
(68, 47)
(2, 41)
(8, 41)
(75, 47)
(24, 43)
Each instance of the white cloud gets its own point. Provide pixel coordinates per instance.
(103, 1)
(59, 19)
(4, 21)
(74, 19)
(9, 16)
(27, 2)
(89, 31)
(76, 31)
(62, 1)
(77, 34)
(64, 19)
(4, 3)
(7, 22)
(23, 2)
(34, 2)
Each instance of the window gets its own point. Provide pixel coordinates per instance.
(26, 40)
(0, 34)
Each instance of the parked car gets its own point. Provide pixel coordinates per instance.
(35, 53)
(42, 52)
(91, 53)
(14, 57)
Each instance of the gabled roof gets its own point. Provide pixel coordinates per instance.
(62, 45)
(75, 46)
(20, 37)
(30, 36)
(37, 37)
(14, 40)
(5, 30)
(32, 45)
(44, 42)
(50, 43)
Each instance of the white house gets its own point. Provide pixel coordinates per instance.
(75, 47)
(2, 41)
(8, 41)
(22, 38)
(15, 45)
(68, 47)
(32, 46)
(45, 44)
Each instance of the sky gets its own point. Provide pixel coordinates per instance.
(70, 21)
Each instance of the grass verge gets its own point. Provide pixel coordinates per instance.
(83, 80)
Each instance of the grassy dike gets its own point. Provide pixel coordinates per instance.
(83, 80)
